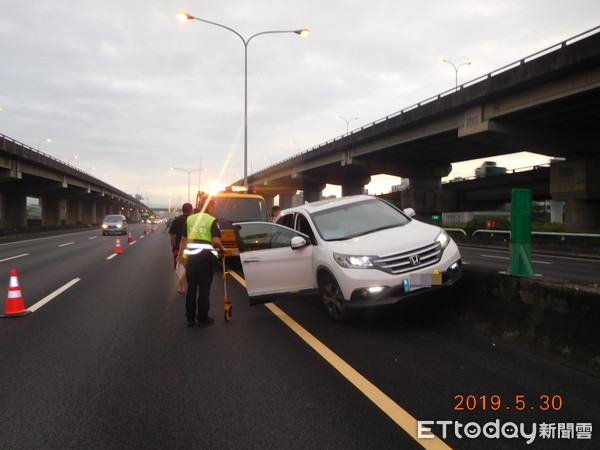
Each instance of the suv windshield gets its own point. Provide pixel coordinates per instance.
(356, 219)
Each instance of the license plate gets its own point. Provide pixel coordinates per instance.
(422, 280)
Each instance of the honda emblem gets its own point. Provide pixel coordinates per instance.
(414, 260)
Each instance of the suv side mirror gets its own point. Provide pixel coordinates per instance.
(298, 242)
(409, 212)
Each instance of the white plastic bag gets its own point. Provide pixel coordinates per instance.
(180, 271)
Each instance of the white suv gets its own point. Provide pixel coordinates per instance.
(356, 252)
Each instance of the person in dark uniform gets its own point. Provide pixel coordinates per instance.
(198, 241)
(274, 212)
(175, 233)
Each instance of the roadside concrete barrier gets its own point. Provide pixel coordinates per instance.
(548, 317)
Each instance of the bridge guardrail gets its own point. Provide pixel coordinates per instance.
(38, 156)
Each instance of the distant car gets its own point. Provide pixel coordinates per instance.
(489, 168)
(356, 252)
(114, 224)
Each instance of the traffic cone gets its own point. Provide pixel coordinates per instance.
(130, 238)
(14, 302)
(118, 248)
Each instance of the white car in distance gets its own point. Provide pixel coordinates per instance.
(356, 252)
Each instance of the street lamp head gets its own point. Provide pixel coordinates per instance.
(303, 32)
(184, 17)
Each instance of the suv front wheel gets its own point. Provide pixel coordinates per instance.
(333, 299)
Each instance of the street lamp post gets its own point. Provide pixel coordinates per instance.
(43, 140)
(189, 172)
(200, 169)
(456, 69)
(296, 144)
(182, 16)
(347, 122)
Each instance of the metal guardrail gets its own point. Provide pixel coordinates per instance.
(579, 245)
(453, 90)
(460, 230)
(541, 233)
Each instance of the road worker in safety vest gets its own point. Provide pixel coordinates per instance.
(199, 238)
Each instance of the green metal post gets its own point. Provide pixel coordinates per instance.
(520, 233)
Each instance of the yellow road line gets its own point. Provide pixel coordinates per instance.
(398, 414)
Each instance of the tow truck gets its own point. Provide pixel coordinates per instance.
(234, 204)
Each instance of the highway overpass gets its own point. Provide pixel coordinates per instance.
(66, 195)
(547, 103)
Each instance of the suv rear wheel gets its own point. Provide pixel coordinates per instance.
(333, 299)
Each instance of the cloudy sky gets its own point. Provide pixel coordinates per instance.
(125, 91)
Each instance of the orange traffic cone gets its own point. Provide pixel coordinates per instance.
(14, 302)
(151, 230)
(118, 248)
(130, 238)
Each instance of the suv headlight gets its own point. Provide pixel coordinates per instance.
(443, 239)
(353, 261)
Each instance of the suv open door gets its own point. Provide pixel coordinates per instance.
(276, 260)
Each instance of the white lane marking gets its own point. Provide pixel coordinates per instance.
(394, 411)
(132, 242)
(14, 257)
(493, 256)
(112, 256)
(57, 292)
(68, 243)
(506, 257)
(93, 237)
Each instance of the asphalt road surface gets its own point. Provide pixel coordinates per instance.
(108, 362)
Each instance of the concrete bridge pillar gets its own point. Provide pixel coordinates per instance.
(73, 212)
(14, 210)
(312, 191)
(355, 185)
(50, 211)
(556, 211)
(425, 202)
(352, 189)
(3, 211)
(582, 215)
(270, 201)
(63, 210)
(577, 182)
(285, 200)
